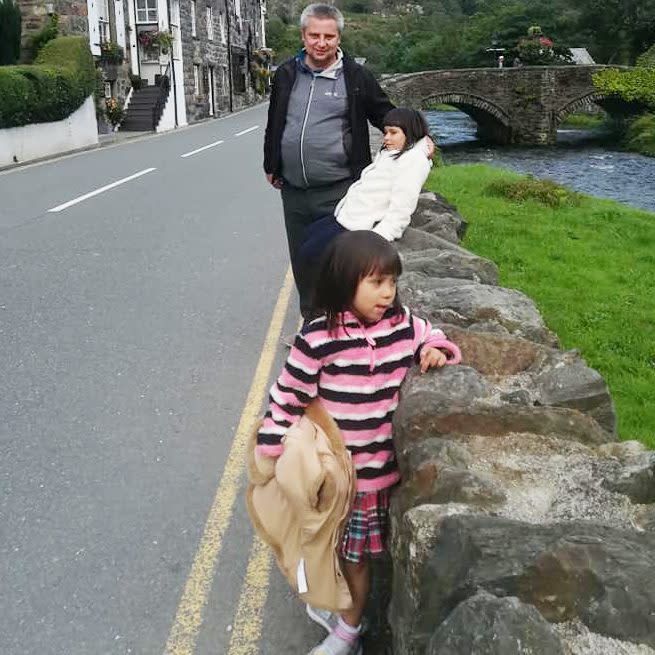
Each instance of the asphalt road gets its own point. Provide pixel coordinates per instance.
(131, 325)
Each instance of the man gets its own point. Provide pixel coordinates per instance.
(316, 142)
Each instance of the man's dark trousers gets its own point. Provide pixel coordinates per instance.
(301, 208)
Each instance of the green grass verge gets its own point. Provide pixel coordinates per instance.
(590, 269)
(439, 106)
(584, 121)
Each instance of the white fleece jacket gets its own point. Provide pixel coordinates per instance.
(386, 194)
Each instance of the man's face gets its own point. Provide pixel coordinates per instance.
(321, 39)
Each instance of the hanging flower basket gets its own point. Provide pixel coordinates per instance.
(162, 40)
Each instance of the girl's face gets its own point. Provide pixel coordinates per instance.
(394, 138)
(375, 294)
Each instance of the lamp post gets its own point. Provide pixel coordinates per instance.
(495, 51)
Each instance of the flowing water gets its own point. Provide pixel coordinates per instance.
(582, 159)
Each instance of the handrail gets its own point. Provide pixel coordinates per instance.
(162, 96)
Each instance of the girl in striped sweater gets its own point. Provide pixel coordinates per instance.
(354, 358)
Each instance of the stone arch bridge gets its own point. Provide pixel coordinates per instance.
(510, 105)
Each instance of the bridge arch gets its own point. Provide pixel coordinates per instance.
(583, 102)
(493, 121)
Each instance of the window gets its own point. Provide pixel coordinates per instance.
(146, 11)
(193, 18)
(210, 23)
(196, 79)
(221, 25)
(237, 8)
(224, 83)
(103, 21)
(103, 31)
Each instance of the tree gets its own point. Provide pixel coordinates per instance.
(619, 29)
(10, 30)
(539, 50)
(358, 6)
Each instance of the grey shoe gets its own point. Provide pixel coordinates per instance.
(328, 620)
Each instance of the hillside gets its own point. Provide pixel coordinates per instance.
(405, 36)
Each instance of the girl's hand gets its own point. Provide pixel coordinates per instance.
(429, 144)
(432, 358)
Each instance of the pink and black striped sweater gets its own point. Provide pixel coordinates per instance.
(357, 373)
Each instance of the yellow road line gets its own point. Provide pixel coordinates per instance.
(184, 632)
(247, 628)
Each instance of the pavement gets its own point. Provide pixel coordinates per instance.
(143, 289)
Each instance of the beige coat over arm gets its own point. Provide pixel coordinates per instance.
(299, 504)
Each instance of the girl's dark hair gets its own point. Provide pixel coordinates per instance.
(348, 259)
(411, 122)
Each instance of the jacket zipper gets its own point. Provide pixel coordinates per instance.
(371, 347)
(302, 133)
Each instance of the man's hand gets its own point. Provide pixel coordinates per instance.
(276, 182)
(432, 358)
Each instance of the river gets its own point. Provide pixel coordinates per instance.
(581, 160)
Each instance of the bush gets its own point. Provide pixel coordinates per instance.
(546, 192)
(647, 59)
(111, 53)
(10, 29)
(641, 135)
(49, 32)
(637, 85)
(61, 79)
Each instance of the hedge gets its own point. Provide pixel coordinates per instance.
(52, 88)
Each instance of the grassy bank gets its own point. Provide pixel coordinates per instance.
(590, 267)
(584, 121)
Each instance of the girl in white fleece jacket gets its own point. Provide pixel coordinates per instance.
(386, 194)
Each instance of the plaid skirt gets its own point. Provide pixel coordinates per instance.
(367, 528)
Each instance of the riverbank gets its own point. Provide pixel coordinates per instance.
(589, 267)
(636, 135)
(584, 121)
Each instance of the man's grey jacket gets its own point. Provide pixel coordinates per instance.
(342, 153)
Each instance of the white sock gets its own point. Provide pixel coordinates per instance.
(349, 630)
(341, 639)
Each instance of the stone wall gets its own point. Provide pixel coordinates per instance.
(72, 19)
(521, 525)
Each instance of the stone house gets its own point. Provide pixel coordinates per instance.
(193, 57)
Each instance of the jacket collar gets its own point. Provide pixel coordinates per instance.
(349, 319)
(331, 72)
